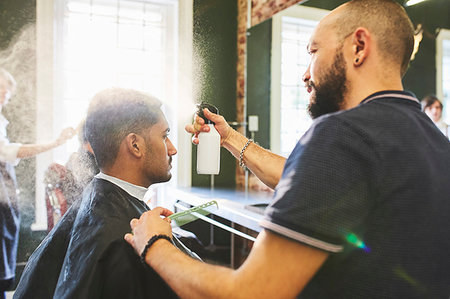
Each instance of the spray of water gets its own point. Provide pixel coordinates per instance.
(19, 58)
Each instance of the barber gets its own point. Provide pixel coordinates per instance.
(357, 210)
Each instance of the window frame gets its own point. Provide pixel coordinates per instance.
(47, 15)
(296, 11)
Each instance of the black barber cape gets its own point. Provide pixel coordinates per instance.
(85, 255)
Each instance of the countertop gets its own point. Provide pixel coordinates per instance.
(234, 205)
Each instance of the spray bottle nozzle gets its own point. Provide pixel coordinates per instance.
(210, 107)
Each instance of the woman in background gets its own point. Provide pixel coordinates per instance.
(433, 108)
(10, 155)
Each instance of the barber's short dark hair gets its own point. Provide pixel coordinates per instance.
(430, 100)
(112, 115)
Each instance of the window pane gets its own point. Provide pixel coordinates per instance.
(131, 11)
(108, 43)
(104, 8)
(154, 39)
(291, 74)
(153, 14)
(131, 36)
(78, 6)
(294, 98)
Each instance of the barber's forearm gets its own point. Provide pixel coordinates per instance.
(266, 165)
(190, 278)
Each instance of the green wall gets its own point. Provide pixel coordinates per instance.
(215, 43)
(259, 44)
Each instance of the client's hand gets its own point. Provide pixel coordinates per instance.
(198, 126)
(147, 226)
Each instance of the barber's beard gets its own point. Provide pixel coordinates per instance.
(328, 97)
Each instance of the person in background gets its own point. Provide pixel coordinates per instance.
(65, 184)
(10, 155)
(433, 108)
(79, 170)
(85, 255)
(361, 206)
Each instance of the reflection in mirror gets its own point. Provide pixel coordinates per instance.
(291, 30)
(276, 61)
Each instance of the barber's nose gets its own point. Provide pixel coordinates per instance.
(306, 76)
(171, 150)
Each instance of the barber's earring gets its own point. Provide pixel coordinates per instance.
(356, 60)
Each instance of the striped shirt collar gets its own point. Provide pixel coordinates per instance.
(391, 94)
(133, 190)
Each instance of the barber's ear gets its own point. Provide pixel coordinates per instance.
(133, 142)
(361, 45)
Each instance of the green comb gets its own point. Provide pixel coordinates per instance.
(184, 217)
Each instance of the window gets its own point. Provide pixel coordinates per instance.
(291, 31)
(104, 43)
(443, 71)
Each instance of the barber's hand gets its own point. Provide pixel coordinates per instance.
(65, 135)
(147, 226)
(199, 126)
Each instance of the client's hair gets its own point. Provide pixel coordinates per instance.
(112, 115)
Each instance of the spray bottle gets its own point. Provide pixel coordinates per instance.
(208, 149)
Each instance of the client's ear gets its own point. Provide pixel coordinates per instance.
(134, 144)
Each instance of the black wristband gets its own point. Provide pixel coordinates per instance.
(150, 243)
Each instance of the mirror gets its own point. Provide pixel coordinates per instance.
(276, 59)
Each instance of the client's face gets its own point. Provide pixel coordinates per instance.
(159, 152)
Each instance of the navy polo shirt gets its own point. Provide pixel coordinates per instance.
(371, 186)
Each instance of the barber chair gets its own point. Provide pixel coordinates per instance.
(54, 198)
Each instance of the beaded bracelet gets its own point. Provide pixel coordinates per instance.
(241, 155)
(150, 243)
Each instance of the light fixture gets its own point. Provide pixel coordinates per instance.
(412, 2)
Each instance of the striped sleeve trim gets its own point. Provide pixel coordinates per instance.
(300, 237)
